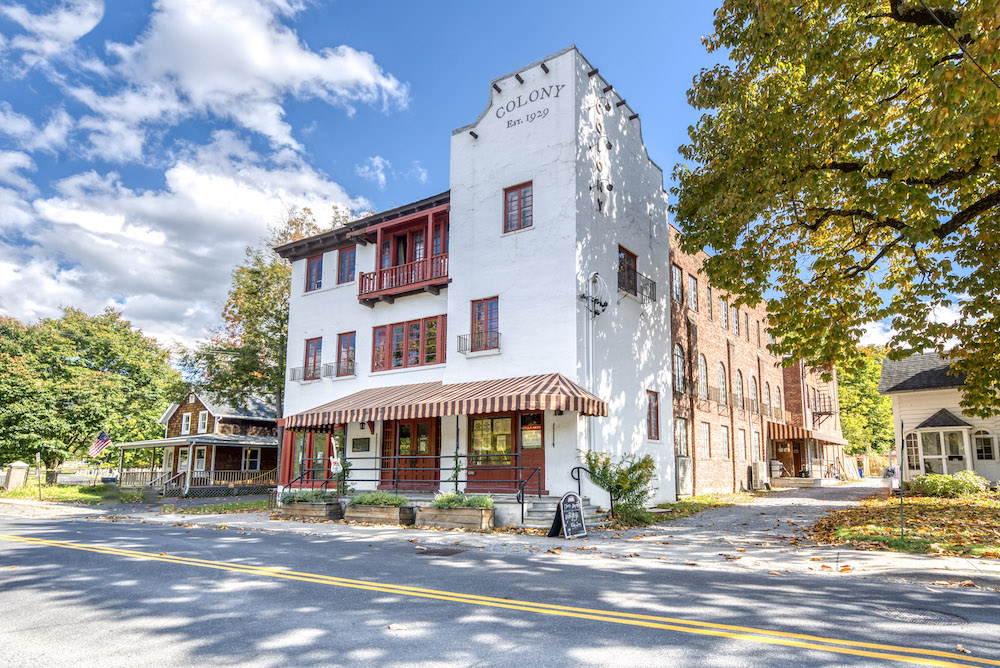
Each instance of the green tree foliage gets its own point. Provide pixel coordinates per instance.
(858, 145)
(866, 416)
(245, 355)
(63, 380)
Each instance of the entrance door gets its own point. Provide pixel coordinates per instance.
(168, 460)
(493, 454)
(417, 449)
(182, 460)
(933, 454)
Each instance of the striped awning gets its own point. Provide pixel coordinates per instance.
(424, 400)
(777, 431)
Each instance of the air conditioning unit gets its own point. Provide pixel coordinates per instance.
(758, 475)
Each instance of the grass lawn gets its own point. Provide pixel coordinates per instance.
(84, 494)
(695, 504)
(967, 526)
(213, 509)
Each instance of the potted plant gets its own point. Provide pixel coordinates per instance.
(456, 510)
(312, 503)
(379, 508)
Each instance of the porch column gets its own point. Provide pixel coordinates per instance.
(967, 438)
(378, 260)
(428, 245)
(211, 470)
(187, 476)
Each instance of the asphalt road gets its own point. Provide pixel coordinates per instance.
(186, 596)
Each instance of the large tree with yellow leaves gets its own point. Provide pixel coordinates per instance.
(847, 159)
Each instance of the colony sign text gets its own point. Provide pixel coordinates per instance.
(523, 99)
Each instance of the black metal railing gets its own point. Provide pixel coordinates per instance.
(340, 368)
(301, 373)
(614, 492)
(824, 405)
(387, 469)
(632, 282)
(476, 341)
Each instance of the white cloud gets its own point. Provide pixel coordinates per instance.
(11, 164)
(877, 334)
(163, 255)
(22, 129)
(233, 59)
(374, 170)
(418, 172)
(47, 35)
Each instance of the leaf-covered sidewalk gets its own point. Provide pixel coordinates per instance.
(968, 526)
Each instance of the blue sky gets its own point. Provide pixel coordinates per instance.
(144, 144)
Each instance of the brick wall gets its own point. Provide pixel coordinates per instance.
(700, 331)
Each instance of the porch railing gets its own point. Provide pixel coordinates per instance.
(613, 490)
(138, 477)
(302, 373)
(385, 470)
(238, 478)
(632, 282)
(403, 275)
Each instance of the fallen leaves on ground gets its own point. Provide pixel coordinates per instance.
(968, 526)
(962, 649)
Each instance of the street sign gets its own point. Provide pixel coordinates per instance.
(569, 520)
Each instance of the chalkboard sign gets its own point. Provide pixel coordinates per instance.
(569, 517)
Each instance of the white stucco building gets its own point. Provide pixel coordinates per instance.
(516, 320)
(927, 417)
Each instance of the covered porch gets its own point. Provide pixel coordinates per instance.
(806, 457)
(494, 436)
(945, 443)
(204, 465)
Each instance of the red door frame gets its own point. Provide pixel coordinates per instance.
(415, 472)
(486, 479)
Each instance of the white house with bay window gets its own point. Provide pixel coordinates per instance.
(511, 322)
(936, 436)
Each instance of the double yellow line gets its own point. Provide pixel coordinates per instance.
(917, 655)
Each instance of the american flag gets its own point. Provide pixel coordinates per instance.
(102, 442)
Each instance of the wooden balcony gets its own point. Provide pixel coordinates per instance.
(425, 275)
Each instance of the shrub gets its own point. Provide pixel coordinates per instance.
(379, 498)
(963, 483)
(460, 500)
(308, 496)
(631, 478)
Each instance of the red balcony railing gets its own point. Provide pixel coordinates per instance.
(404, 275)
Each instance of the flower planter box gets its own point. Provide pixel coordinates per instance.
(380, 514)
(325, 510)
(473, 519)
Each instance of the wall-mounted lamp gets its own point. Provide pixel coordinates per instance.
(620, 103)
(633, 117)
(557, 412)
(474, 135)
(608, 88)
(592, 72)
(545, 68)
(497, 88)
(607, 142)
(519, 79)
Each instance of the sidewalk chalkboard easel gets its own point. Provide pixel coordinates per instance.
(569, 518)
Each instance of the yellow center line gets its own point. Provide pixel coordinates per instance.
(651, 621)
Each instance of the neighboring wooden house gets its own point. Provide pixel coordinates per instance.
(935, 436)
(210, 447)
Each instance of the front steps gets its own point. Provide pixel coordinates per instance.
(541, 512)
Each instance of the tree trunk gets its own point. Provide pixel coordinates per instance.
(52, 470)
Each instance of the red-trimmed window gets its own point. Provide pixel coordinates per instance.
(517, 207)
(345, 354)
(408, 344)
(345, 265)
(314, 273)
(653, 415)
(485, 324)
(314, 359)
(627, 277)
(439, 240)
